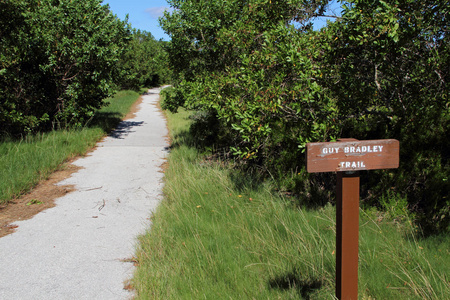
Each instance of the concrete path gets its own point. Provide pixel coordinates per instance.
(78, 249)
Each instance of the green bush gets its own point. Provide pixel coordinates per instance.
(389, 66)
(144, 62)
(380, 71)
(57, 63)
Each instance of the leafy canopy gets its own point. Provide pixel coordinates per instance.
(58, 61)
(266, 84)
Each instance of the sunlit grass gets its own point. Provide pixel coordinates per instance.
(214, 237)
(396, 263)
(26, 161)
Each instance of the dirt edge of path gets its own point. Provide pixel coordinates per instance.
(44, 194)
(40, 198)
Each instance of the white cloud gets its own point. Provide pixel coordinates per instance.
(156, 12)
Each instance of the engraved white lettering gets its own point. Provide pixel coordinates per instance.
(352, 164)
(353, 149)
(330, 150)
(363, 149)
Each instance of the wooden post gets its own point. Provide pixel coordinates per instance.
(347, 157)
(347, 235)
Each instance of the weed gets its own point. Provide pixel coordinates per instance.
(34, 201)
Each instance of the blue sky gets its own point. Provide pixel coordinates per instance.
(334, 9)
(143, 14)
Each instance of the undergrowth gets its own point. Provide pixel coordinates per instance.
(220, 234)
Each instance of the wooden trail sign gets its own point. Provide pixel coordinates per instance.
(352, 155)
(347, 157)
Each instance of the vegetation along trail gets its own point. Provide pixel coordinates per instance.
(82, 248)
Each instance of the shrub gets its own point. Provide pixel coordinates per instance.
(58, 62)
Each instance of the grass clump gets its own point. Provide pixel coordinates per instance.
(396, 262)
(26, 161)
(220, 234)
(211, 240)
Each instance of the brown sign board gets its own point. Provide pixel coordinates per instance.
(343, 156)
(352, 155)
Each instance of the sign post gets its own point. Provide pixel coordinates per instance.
(347, 157)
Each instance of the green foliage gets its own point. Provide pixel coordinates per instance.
(389, 66)
(241, 62)
(144, 62)
(395, 206)
(221, 234)
(57, 62)
(272, 84)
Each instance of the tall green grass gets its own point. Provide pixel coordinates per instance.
(26, 161)
(218, 234)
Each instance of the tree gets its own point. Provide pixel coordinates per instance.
(389, 67)
(266, 84)
(18, 71)
(61, 63)
(248, 67)
(144, 62)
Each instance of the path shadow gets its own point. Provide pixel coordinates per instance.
(107, 121)
(150, 92)
(292, 280)
(125, 128)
